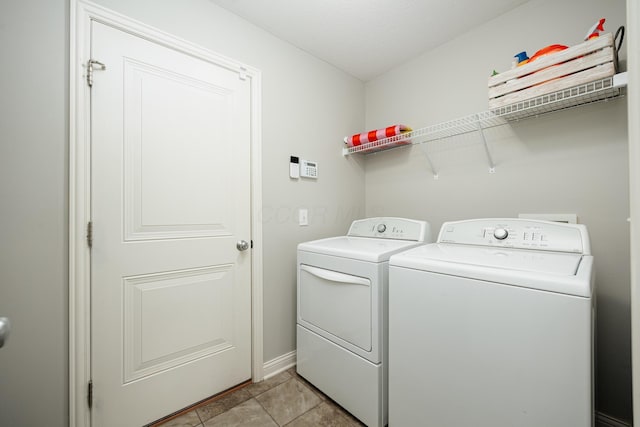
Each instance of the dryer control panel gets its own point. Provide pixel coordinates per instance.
(391, 228)
(517, 233)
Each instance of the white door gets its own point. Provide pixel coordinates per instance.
(170, 177)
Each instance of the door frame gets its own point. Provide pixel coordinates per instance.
(82, 12)
(633, 92)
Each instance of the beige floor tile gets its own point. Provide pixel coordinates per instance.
(288, 401)
(324, 415)
(223, 404)
(294, 374)
(284, 399)
(353, 420)
(259, 388)
(190, 419)
(210, 410)
(247, 414)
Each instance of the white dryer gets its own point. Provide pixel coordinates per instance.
(492, 326)
(342, 312)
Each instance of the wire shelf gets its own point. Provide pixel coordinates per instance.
(596, 91)
(588, 93)
(460, 126)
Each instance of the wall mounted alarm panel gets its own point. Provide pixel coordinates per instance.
(309, 169)
(294, 167)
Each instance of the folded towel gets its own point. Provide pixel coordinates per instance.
(374, 135)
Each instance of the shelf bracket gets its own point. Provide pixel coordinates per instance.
(492, 166)
(423, 147)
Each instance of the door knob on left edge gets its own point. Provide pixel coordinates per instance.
(5, 326)
(242, 245)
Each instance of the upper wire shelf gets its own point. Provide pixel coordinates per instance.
(588, 93)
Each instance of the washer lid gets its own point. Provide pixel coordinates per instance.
(556, 263)
(361, 248)
(552, 271)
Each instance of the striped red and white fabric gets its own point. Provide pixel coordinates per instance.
(375, 135)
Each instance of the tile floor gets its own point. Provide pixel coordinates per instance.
(285, 399)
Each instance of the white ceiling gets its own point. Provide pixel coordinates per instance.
(365, 38)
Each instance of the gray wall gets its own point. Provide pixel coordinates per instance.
(308, 106)
(568, 162)
(33, 226)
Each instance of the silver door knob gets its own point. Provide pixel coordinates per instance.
(5, 326)
(242, 245)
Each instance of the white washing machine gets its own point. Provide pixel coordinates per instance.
(492, 326)
(342, 312)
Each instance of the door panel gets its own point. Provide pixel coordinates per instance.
(170, 293)
(194, 113)
(154, 341)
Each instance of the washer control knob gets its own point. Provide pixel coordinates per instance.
(500, 233)
(382, 228)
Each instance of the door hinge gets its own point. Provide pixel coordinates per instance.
(90, 394)
(90, 234)
(90, 66)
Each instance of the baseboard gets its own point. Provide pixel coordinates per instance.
(604, 420)
(279, 364)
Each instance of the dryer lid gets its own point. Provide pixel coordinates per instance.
(360, 248)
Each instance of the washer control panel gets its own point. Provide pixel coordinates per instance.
(517, 233)
(391, 228)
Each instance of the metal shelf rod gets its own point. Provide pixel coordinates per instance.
(492, 167)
